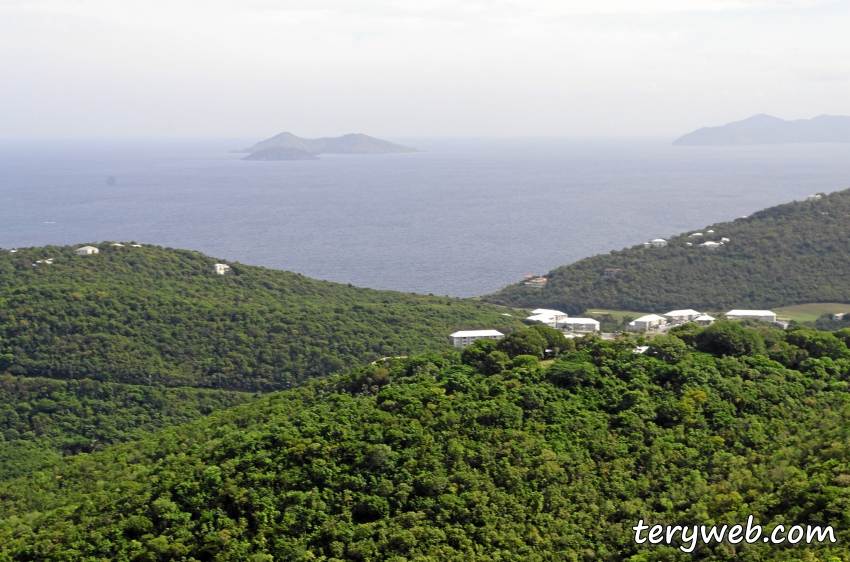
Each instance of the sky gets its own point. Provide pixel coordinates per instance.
(415, 68)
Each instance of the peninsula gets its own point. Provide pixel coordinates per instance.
(346, 144)
(765, 129)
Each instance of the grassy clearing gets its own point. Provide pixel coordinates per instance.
(811, 311)
(544, 363)
(617, 314)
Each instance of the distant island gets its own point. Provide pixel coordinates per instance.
(765, 129)
(346, 144)
(280, 153)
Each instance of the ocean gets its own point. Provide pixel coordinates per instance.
(462, 218)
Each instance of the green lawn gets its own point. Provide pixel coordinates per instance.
(617, 314)
(811, 311)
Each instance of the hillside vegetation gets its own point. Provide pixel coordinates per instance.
(160, 316)
(785, 255)
(480, 457)
(42, 420)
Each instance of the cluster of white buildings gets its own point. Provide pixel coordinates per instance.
(572, 327)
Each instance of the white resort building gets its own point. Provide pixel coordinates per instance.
(648, 322)
(86, 251)
(466, 337)
(578, 325)
(763, 315)
(221, 268)
(547, 316)
(655, 243)
(681, 316)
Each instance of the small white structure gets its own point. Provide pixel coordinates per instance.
(466, 337)
(655, 243)
(813, 197)
(641, 349)
(763, 315)
(547, 316)
(681, 316)
(136, 245)
(838, 317)
(578, 325)
(704, 320)
(86, 251)
(696, 234)
(710, 245)
(710, 231)
(724, 240)
(117, 245)
(648, 322)
(221, 268)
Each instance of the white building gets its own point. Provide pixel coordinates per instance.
(763, 315)
(547, 316)
(221, 268)
(710, 245)
(648, 322)
(814, 197)
(704, 320)
(86, 251)
(696, 234)
(681, 316)
(578, 325)
(536, 282)
(656, 243)
(466, 337)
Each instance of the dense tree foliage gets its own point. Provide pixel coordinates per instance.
(430, 458)
(789, 254)
(153, 315)
(43, 419)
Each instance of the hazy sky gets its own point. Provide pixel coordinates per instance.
(405, 68)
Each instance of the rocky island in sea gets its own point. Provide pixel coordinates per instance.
(765, 129)
(346, 144)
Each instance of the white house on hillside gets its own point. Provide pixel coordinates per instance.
(656, 243)
(547, 316)
(221, 268)
(763, 315)
(86, 251)
(466, 337)
(704, 320)
(648, 322)
(681, 316)
(578, 325)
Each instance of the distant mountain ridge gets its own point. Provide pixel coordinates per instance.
(354, 143)
(765, 129)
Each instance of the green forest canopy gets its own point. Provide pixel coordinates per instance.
(154, 315)
(785, 255)
(478, 456)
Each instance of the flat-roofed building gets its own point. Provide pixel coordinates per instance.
(763, 315)
(221, 268)
(467, 337)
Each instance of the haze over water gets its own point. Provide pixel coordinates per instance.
(464, 218)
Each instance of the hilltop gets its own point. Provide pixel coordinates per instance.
(488, 458)
(785, 255)
(346, 144)
(158, 315)
(764, 129)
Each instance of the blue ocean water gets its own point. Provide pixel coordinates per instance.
(464, 218)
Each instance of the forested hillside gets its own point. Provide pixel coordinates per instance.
(789, 254)
(485, 457)
(42, 420)
(160, 316)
